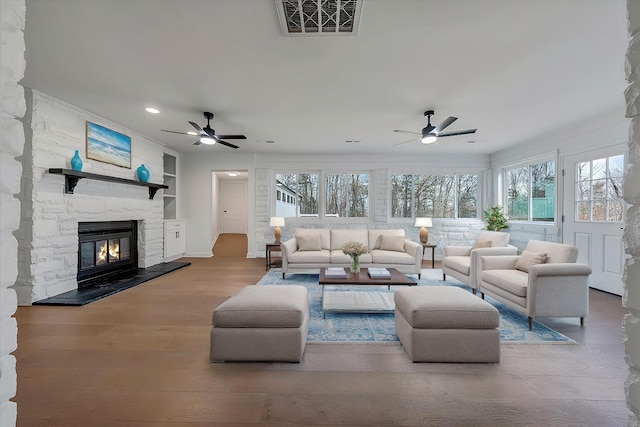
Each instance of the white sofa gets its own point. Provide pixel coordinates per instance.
(317, 248)
(544, 281)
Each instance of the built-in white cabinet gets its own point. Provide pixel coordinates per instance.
(175, 238)
(169, 177)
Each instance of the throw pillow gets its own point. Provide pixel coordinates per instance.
(309, 242)
(529, 258)
(481, 244)
(390, 242)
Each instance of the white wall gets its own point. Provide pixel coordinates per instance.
(12, 15)
(48, 235)
(197, 191)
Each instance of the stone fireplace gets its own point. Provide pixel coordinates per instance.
(106, 250)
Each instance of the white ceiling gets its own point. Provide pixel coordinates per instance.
(514, 69)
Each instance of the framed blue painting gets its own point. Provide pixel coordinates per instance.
(108, 146)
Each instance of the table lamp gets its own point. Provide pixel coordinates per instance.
(277, 222)
(424, 233)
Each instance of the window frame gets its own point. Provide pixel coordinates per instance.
(543, 158)
(480, 174)
(327, 174)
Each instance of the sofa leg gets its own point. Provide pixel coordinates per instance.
(419, 275)
(444, 276)
(530, 323)
(481, 294)
(473, 291)
(582, 321)
(283, 276)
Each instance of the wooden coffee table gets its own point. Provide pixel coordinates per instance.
(362, 278)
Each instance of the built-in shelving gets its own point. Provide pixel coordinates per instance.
(71, 178)
(170, 194)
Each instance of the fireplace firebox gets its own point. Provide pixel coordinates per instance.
(107, 251)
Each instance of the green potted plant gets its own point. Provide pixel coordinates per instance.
(495, 218)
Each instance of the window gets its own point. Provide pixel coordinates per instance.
(347, 195)
(599, 190)
(531, 192)
(435, 196)
(299, 194)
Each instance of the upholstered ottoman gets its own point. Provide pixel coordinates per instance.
(446, 324)
(261, 323)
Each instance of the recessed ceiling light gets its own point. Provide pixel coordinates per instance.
(233, 173)
(152, 110)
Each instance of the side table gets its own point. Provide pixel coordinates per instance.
(269, 262)
(433, 252)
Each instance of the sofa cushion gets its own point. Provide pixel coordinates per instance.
(309, 242)
(529, 258)
(380, 256)
(273, 306)
(479, 243)
(338, 257)
(498, 238)
(340, 237)
(461, 264)
(324, 233)
(310, 257)
(374, 236)
(513, 281)
(389, 242)
(556, 252)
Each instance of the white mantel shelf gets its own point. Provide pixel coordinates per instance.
(71, 178)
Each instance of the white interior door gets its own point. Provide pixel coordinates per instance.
(234, 207)
(594, 213)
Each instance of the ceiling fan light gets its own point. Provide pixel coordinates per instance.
(207, 140)
(429, 139)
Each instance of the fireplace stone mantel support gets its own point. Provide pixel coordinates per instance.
(71, 178)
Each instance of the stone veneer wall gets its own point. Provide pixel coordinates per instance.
(12, 15)
(48, 234)
(631, 298)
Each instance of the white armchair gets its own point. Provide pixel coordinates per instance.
(463, 262)
(545, 281)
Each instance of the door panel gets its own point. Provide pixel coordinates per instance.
(234, 207)
(593, 219)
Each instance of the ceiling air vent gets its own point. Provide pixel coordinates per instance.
(319, 17)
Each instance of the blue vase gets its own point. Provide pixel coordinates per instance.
(76, 162)
(143, 173)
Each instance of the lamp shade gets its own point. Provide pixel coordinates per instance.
(276, 221)
(423, 222)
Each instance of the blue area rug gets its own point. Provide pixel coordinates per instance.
(380, 327)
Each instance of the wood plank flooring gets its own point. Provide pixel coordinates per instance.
(140, 358)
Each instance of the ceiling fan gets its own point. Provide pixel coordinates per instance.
(208, 136)
(430, 133)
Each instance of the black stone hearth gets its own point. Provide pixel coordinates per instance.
(86, 295)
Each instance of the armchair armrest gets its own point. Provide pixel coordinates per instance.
(476, 262)
(456, 251)
(560, 269)
(287, 248)
(500, 262)
(412, 248)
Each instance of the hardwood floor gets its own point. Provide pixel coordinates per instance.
(140, 358)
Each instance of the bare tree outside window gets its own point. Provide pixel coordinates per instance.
(518, 194)
(599, 190)
(434, 196)
(299, 194)
(347, 195)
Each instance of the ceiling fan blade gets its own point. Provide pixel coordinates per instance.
(445, 123)
(198, 128)
(173, 131)
(460, 132)
(406, 131)
(231, 136)
(227, 144)
(405, 142)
